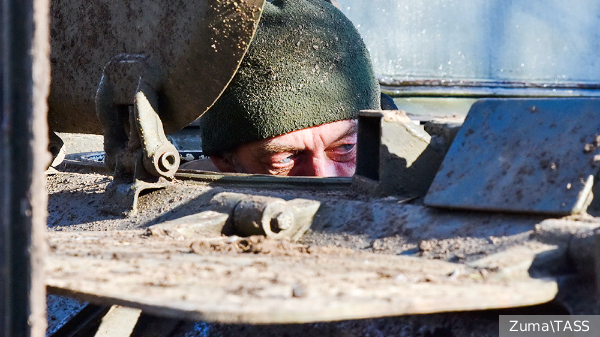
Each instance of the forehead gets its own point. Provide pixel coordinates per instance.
(320, 136)
(314, 138)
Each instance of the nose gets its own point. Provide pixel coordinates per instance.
(324, 168)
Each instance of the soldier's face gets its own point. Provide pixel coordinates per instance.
(327, 150)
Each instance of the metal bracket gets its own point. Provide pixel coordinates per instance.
(122, 198)
(244, 215)
(394, 155)
(274, 218)
(126, 104)
(137, 149)
(56, 147)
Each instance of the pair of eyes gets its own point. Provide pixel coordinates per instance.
(338, 153)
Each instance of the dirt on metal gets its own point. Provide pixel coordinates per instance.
(346, 219)
(259, 281)
(182, 40)
(348, 226)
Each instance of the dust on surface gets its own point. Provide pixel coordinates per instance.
(260, 281)
(60, 310)
(76, 202)
(258, 244)
(346, 219)
(137, 244)
(348, 233)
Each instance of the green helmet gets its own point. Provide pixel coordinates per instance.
(306, 66)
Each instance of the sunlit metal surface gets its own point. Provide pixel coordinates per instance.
(522, 155)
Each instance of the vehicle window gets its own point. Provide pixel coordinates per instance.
(465, 45)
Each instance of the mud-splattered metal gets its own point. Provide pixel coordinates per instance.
(194, 47)
(522, 155)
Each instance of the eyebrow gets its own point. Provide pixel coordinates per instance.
(269, 149)
(351, 131)
(275, 148)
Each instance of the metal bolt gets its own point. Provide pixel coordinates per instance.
(281, 221)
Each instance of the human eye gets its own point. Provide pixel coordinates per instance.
(346, 147)
(287, 159)
(281, 163)
(343, 152)
(282, 158)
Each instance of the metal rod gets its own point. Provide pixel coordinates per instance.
(485, 91)
(23, 151)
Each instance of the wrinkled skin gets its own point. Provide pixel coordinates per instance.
(327, 150)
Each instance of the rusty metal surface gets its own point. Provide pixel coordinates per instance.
(522, 155)
(194, 46)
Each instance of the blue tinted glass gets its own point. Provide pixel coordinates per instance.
(549, 41)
